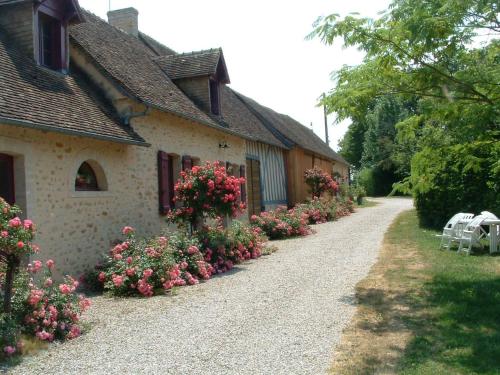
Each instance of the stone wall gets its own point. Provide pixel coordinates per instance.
(74, 227)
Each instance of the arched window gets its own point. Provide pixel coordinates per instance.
(86, 179)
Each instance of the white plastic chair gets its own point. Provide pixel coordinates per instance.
(472, 234)
(452, 231)
(489, 215)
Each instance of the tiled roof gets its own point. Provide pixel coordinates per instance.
(291, 131)
(235, 114)
(192, 64)
(128, 61)
(155, 46)
(241, 120)
(35, 97)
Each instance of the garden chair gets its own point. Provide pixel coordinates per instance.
(452, 231)
(472, 234)
(489, 215)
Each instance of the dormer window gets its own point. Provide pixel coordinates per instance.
(52, 18)
(49, 47)
(214, 97)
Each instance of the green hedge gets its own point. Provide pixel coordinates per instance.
(460, 178)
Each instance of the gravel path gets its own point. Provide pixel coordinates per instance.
(281, 314)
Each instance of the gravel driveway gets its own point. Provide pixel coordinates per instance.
(281, 314)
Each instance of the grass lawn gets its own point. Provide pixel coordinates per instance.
(424, 311)
(366, 203)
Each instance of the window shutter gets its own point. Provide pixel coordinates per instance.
(187, 163)
(165, 182)
(243, 185)
(229, 168)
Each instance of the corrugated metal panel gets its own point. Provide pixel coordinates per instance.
(273, 177)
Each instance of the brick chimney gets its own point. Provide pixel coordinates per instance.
(126, 19)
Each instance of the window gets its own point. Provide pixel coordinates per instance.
(7, 178)
(214, 97)
(165, 182)
(86, 179)
(49, 35)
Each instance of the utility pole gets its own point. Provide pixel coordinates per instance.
(326, 121)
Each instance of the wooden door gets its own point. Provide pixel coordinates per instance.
(254, 195)
(7, 178)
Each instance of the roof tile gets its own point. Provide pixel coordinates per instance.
(39, 98)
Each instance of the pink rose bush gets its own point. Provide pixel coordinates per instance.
(33, 304)
(319, 210)
(144, 267)
(320, 182)
(282, 223)
(148, 267)
(223, 248)
(207, 191)
(52, 310)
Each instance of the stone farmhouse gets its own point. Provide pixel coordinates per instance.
(97, 120)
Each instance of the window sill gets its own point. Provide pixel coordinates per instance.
(91, 194)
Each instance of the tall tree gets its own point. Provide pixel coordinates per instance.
(446, 53)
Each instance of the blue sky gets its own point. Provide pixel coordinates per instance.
(264, 46)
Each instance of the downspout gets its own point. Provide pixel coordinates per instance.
(126, 119)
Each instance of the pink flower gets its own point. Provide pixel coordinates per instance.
(9, 350)
(163, 241)
(130, 272)
(74, 332)
(101, 277)
(35, 296)
(147, 273)
(48, 283)
(192, 250)
(127, 230)
(84, 303)
(45, 336)
(35, 267)
(65, 289)
(4, 234)
(20, 244)
(15, 222)
(117, 280)
(118, 257)
(129, 260)
(27, 224)
(50, 264)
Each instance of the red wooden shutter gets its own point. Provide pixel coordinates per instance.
(165, 182)
(243, 185)
(187, 163)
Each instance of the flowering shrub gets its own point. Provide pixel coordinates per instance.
(282, 223)
(320, 182)
(345, 207)
(41, 308)
(207, 191)
(225, 247)
(319, 210)
(16, 238)
(52, 310)
(138, 266)
(10, 336)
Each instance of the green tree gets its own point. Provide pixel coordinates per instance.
(445, 53)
